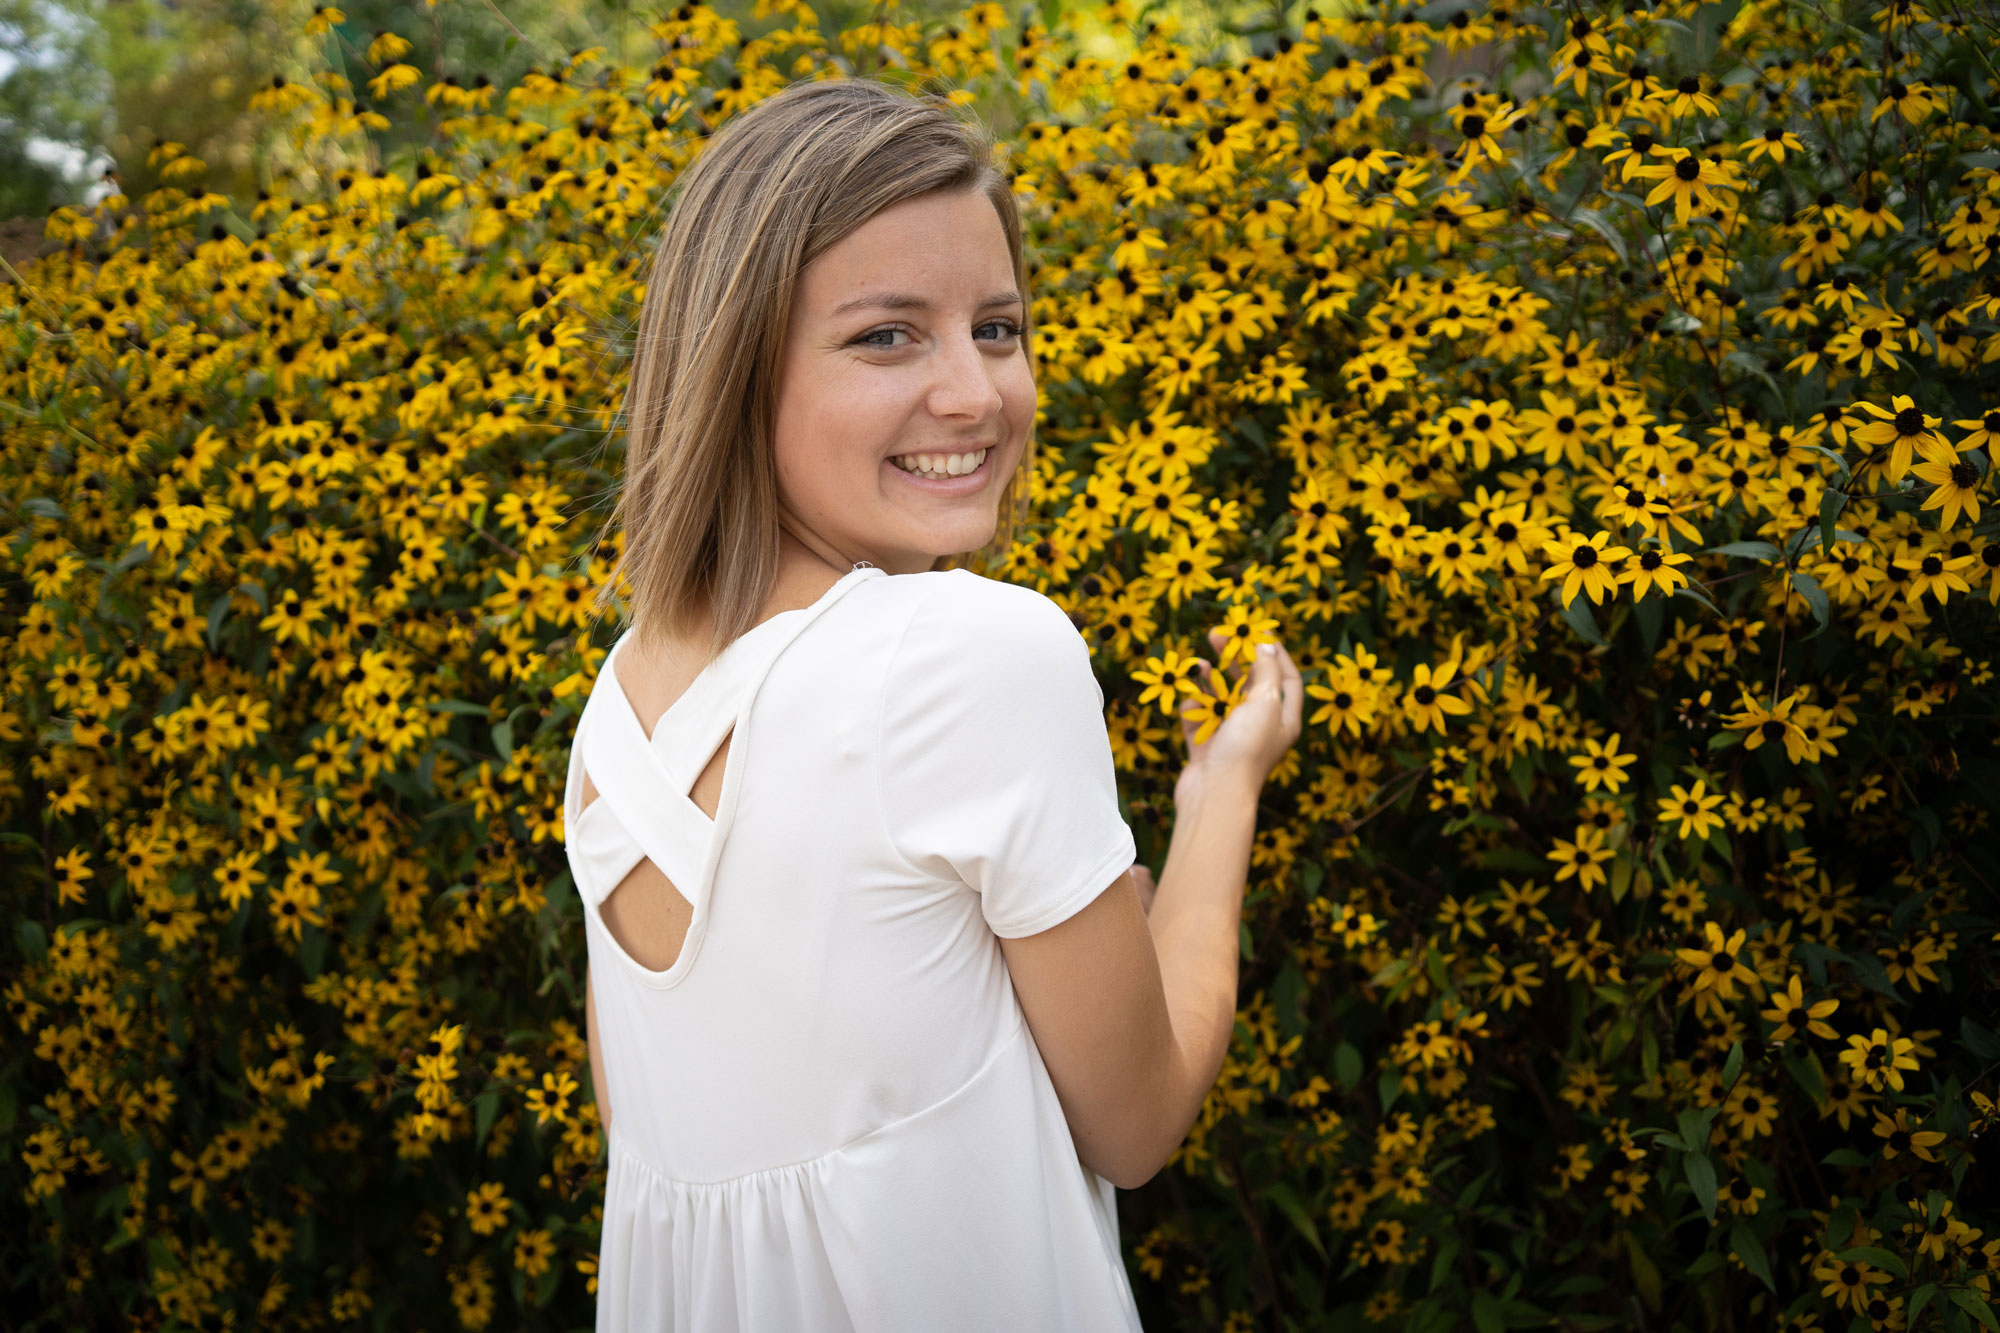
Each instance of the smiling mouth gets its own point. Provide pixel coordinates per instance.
(937, 465)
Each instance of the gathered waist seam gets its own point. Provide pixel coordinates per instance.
(619, 1147)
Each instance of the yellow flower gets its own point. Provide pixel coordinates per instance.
(1718, 965)
(1877, 1061)
(72, 869)
(1790, 1012)
(1686, 177)
(486, 1208)
(1583, 858)
(551, 1100)
(534, 1250)
(1626, 1190)
(1426, 704)
(1897, 1136)
(1693, 811)
(1168, 678)
(1907, 430)
(1584, 563)
(1601, 764)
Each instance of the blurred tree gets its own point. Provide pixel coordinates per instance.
(53, 106)
(115, 77)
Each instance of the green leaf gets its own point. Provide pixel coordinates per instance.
(1441, 1266)
(1709, 1262)
(1647, 613)
(1749, 550)
(1694, 1126)
(1347, 1066)
(1808, 587)
(1388, 1088)
(218, 611)
(1286, 1202)
(458, 706)
(1577, 613)
(1522, 773)
(1621, 878)
(312, 950)
(1832, 457)
(1645, 1273)
(1732, 1066)
(1434, 969)
(1844, 1157)
(503, 741)
(1486, 1316)
(1594, 220)
(485, 1108)
(1918, 1300)
(1743, 1243)
(1806, 1073)
(1699, 597)
(1701, 1179)
(1979, 1040)
(1830, 506)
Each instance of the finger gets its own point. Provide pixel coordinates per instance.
(1294, 691)
(1265, 673)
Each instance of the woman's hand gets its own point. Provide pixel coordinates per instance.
(1258, 728)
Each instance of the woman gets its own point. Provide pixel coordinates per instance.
(877, 1017)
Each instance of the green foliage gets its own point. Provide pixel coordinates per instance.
(1618, 942)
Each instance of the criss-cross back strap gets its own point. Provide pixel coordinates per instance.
(645, 782)
(640, 790)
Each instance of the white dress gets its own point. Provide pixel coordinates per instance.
(829, 1113)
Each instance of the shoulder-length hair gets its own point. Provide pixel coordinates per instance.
(771, 191)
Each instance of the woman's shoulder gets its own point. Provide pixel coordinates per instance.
(959, 606)
(967, 637)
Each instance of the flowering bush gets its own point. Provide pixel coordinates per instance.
(1599, 403)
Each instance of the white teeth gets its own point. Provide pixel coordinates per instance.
(940, 465)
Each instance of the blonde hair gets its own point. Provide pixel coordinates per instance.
(770, 192)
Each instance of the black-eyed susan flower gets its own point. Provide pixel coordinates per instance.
(1582, 859)
(1654, 567)
(1791, 1014)
(1686, 178)
(1954, 489)
(1717, 965)
(1774, 142)
(1429, 699)
(1934, 573)
(1690, 810)
(1899, 1136)
(1583, 564)
(1878, 1061)
(1601, 764)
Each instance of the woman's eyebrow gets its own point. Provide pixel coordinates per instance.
(905, 301)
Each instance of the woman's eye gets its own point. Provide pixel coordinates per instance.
(1008, 329)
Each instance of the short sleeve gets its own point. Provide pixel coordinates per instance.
(996, 766)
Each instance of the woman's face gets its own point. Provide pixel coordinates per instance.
(905, 341)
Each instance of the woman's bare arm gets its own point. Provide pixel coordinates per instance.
(597, 1084)
(1133, 1010)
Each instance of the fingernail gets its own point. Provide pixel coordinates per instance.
(1266, 649)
